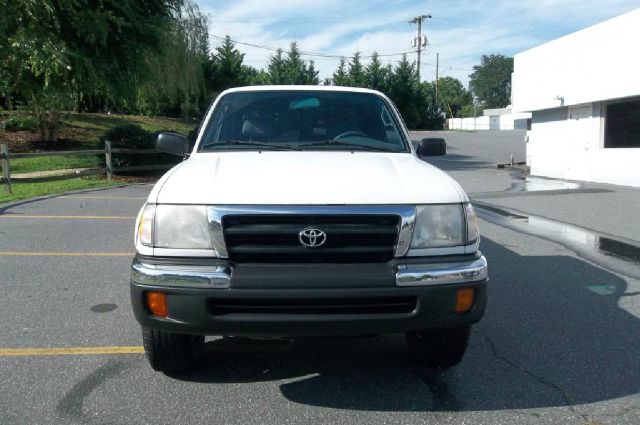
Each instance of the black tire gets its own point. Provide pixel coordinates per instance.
(168, 352)
(439, 348)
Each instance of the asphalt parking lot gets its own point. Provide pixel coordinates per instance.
(559, 343)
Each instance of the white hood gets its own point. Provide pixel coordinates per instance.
(305, 178)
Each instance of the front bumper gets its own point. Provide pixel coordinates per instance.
(217, 297)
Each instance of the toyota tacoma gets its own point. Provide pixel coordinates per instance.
(305, 212)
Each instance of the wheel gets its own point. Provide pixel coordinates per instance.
(168, 352)
(440, 348)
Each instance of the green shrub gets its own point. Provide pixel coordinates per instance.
(21, 123)
(132, 136)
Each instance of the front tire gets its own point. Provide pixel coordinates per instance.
(170, 353)
(441, 348)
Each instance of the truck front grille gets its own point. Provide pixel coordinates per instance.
(276, 238)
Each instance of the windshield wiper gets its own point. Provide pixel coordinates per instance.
(227, 143)
(339, 143)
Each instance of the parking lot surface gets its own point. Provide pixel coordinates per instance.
(559, 343)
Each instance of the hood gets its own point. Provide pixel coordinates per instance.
(305, 178)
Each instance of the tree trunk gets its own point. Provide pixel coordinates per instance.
(49, 126)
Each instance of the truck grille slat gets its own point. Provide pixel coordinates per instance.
(275, 238)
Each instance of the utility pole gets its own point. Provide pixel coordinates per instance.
(437, 78)
(419, 41)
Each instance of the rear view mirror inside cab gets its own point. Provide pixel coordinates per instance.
(310, 102)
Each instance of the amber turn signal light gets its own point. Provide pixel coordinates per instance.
(464, 299)
(157, 303)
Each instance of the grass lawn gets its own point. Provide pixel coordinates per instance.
(27, 165)
(28, 190)
(79, 131)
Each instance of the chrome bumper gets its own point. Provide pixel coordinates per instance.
(181, 276)
(219, 276)
(441, 274)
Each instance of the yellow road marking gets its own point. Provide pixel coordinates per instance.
(69, 217)
(102, 197)
(69, 351)
(65, 254)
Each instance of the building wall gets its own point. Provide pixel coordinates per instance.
(591, 65)
(493, 122)
(568, 143)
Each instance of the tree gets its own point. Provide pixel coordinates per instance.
(403, 90)
(178, 75)
(257, 77)
(357, 76)
(452, 96)
(61, 54)
(312, 74)
(227, 66)
(340, 77)
(414, 99)
(295, 68)
(376, 75)
(276, 68)
(490, 81)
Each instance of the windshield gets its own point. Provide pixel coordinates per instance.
(302, 120)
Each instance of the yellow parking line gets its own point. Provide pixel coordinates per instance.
(69, 217)
(64, 254)
(69, 351)
(101, 197)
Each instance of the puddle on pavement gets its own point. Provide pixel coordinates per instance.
(537, 184)
(593, 245)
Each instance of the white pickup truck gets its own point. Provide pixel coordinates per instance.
(305, 211)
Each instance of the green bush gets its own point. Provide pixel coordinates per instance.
(21, 123)
(132, 136)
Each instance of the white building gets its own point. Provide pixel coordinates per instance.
(491, 119)
(584, 94)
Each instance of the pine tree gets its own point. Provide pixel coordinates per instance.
(376, 75)
(340, 77)
(294, 65)
(312, 74)
(227, 66)
(357, 76)
(276, 68)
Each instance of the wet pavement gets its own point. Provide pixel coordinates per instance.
(616, 253)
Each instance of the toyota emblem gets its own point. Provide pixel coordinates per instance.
(312, 237)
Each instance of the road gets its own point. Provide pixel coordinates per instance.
(559, 343)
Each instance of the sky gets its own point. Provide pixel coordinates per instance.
(459, 31)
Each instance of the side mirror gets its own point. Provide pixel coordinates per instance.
(432, 146)
(172, 143)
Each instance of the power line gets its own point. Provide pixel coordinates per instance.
(306, 53)
(326, 56)
(320, 21)
(450, 68)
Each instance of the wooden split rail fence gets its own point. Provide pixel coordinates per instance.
(108, 151)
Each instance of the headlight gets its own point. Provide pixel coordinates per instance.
(438, 226)
(175, 227)
(473, 232)
(145, 226)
